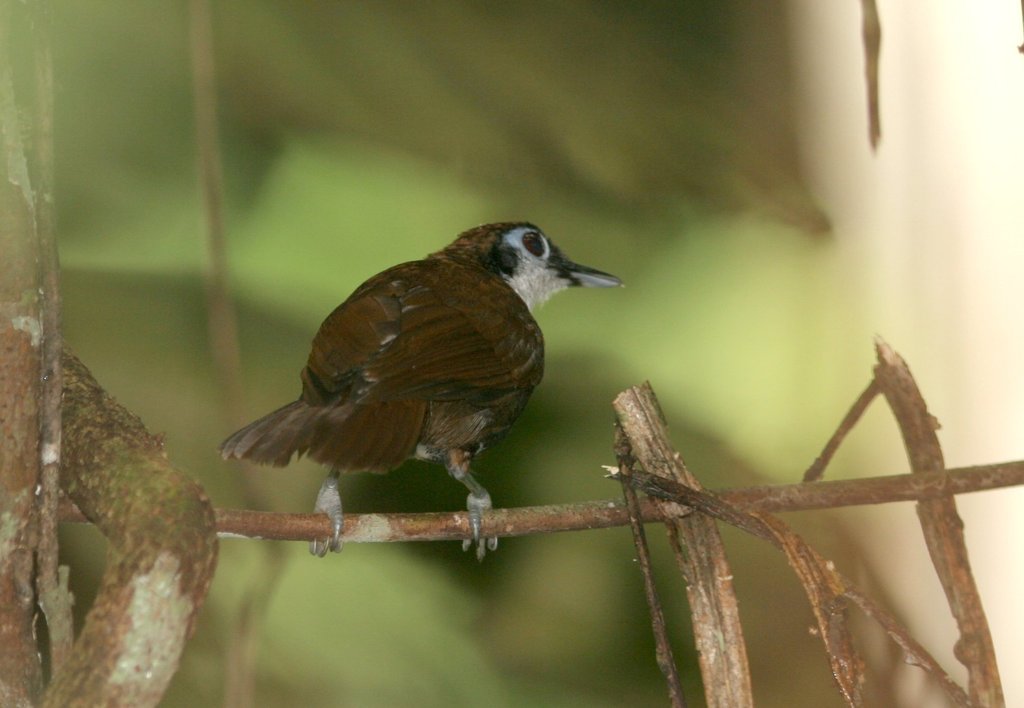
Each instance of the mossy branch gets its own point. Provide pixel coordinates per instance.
(163, 549)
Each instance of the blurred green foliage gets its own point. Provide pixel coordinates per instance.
(650, 140)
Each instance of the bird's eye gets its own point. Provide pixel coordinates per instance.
(534, 243)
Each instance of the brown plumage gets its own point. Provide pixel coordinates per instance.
(432, 359)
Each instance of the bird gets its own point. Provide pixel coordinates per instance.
(432, 359)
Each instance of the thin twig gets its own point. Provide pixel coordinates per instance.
(817, 469)
(1021, 47)
(223, 330)
(663, 647)
(914, 653)
(222, 326)
(824, 588)
(943, 529)
(871, 33)
(833, 494)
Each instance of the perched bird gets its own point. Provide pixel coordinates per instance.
(433, 359)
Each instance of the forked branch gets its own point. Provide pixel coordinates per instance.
(828, 591)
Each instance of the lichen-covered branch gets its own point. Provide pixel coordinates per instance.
(51, 580)
(161, 533)
(20, 332)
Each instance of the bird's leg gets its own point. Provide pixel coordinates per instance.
(328, 501)
(477, 502)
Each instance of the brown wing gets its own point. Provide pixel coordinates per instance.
(419, 332)
(425, 331)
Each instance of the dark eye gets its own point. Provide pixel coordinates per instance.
(534, 243)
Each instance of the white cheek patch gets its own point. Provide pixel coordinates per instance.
(535, 283)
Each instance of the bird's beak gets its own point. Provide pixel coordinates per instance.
(589, 277)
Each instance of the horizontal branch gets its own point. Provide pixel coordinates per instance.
(875, 490)
(525, 521)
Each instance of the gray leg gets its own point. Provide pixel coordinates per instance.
(328, 501)
(477, 502)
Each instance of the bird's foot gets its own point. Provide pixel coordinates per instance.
(328, 501)
(478, 503)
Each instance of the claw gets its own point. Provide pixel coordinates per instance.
(328, 501)
(478, 503)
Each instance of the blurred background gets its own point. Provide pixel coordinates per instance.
(714, 155)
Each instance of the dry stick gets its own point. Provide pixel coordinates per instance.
(817, 469)
(700, 555)
(914, 653)
(871, 34)
(663, 652)
(51, 580)
(1021, 47)
(639, 406)
(876, 490)
(943, 529)
(824, 589)
(775, 532)
(223, 328)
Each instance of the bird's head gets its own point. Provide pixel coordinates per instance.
(526, 259)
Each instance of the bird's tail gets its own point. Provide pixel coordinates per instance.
(348, 437)
(276, 437)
